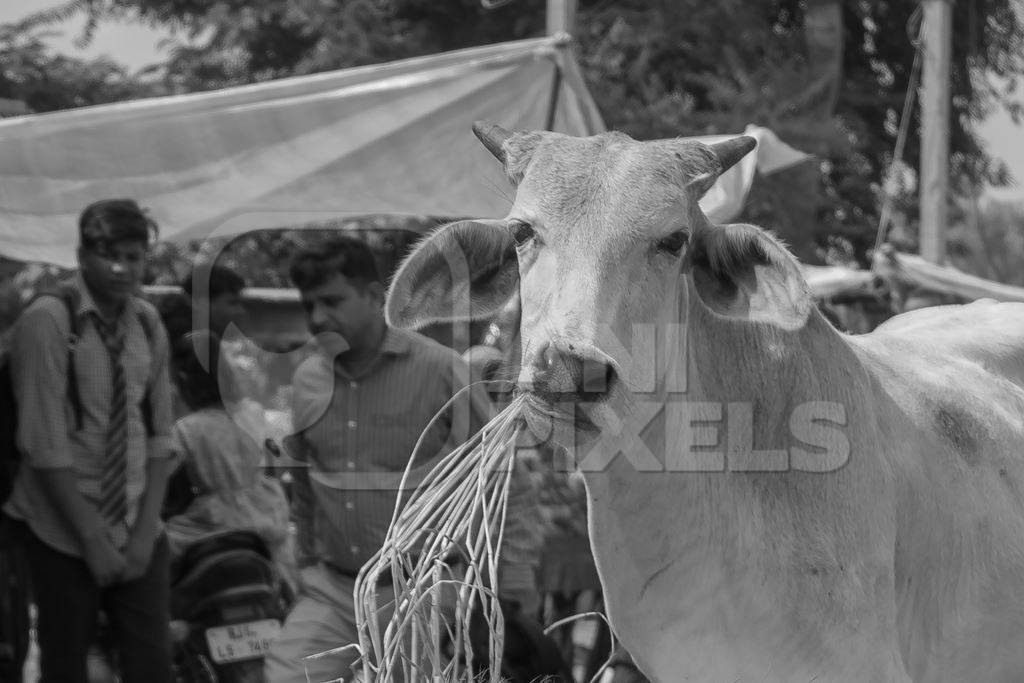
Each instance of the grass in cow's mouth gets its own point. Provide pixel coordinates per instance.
(583, 422)
(457, 511)
(572, 411)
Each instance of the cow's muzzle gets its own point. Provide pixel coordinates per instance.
(569, 374)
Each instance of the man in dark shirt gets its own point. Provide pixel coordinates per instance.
(359, 409)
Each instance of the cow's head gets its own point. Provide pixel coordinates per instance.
(605, 237)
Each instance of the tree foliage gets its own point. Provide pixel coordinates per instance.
(658, 68)
(989, 241)
(32, 73)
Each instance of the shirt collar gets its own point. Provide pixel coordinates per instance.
(396, 342)
(86, 302)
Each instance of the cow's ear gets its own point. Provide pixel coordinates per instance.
(462, 271)
(742, 272)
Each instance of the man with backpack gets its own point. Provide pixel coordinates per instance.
(89, 369)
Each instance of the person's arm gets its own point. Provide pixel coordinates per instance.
(467, 412)
(159, 464)
(301, 504)
(104, 560)
(39, 364)
(312, 388)
(147, 521)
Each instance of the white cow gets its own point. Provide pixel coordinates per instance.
(790, 503)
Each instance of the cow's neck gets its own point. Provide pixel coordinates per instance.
(700, 555)
(772, 369)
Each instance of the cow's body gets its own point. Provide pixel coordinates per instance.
(791, 576)
(956, 377)
(798, 504)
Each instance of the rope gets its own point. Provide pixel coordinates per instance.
(901, 137)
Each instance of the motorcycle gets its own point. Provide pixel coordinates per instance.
(228, 602)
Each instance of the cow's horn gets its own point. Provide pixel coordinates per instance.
(731, 151)
(493, 136)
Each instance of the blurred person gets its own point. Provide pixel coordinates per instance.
(359, 408)
(222, 296)
(221, 301)
(176, 313)
(249, 401)
(218, 300)
(221, 463)
(94, 419)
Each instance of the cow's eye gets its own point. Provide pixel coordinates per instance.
(674, 243)
(522, 233)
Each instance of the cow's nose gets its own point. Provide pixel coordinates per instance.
(564, 374)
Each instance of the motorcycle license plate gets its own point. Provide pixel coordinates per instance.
(242, 641)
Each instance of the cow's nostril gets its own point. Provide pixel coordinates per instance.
(597, 376)
(561, 375)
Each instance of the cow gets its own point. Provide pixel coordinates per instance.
(769, 499)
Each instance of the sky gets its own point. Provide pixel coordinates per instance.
(1005, 140)
(137, 46)
(131, 44)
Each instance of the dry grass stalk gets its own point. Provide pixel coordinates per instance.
(458, 510)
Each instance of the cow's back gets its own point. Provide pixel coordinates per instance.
(985, 331)
(950, 384)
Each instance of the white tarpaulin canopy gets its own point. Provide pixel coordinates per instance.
(828, 281)
(385, 139)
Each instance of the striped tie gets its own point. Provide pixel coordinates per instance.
(113, 497)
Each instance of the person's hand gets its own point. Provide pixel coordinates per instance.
(104, 561)
(137, 556)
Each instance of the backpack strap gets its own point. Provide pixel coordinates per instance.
(68, 295)
(70, 298)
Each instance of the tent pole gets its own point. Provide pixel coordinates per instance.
(561, 19)
(561, 16)
(933, 186)
(556, 87)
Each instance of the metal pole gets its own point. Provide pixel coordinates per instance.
(935, 104)
(561, 16)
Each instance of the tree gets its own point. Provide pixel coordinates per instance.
(989, 241)
(31, 73)
(682, 66)
(829, 76)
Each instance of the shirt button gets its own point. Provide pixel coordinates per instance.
(349, 505)
(351, 424)
(353, 385)
(354, 549)
(351, 465)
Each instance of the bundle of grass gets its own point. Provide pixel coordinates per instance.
(458, 511)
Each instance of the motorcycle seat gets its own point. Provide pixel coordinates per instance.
(217, 544)
(229, 565)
